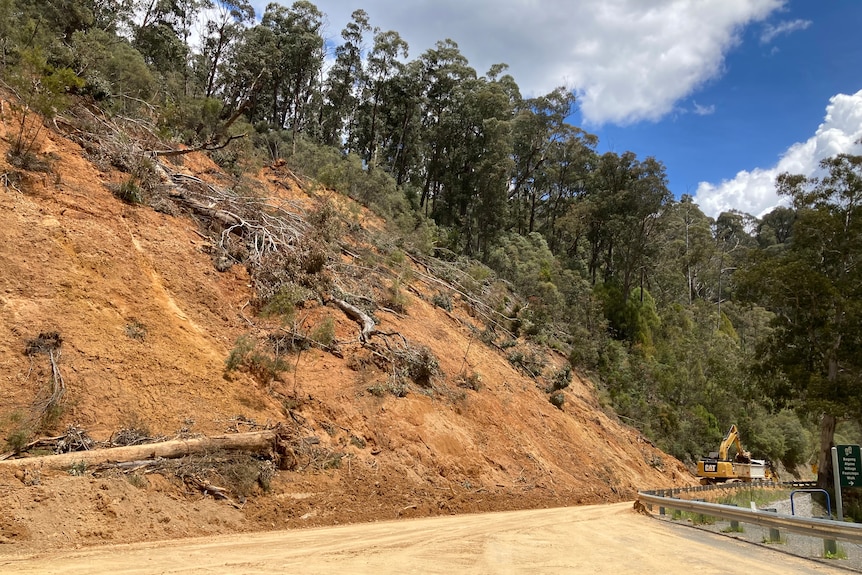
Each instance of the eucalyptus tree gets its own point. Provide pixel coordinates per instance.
(775, 228)
(467, 147)
(247, 78)
(485, 161)
(401, 138)
(619, 217)
(563, 181)
(296, 57)
(814, 287)
(640, 207)
(539, 124)
(687, 250)
(383, 65)
(223, 27)
(343, 80)
(445, 74)
(161, 31)
(733, 237)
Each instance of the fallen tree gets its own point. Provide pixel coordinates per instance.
(257, 441)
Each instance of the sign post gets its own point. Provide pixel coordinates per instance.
(836, 477)
(847, 469)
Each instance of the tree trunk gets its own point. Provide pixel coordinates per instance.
(255, 441)
(825, 478)
(357, 315)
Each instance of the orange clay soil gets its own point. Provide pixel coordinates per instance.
(147, 323)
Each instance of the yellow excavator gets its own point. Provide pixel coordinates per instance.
(718, 467)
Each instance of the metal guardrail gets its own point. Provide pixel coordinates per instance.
(822, 528)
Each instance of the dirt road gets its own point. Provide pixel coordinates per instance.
(596, 539)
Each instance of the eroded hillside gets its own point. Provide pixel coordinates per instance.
(146, 321)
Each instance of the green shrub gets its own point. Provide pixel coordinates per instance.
(128, 191)
(557, 399)
(394, 385)
(419, 363)
(561, 378)
(469, 381)
(136, 330)
(18, 439)
(112, 68)
(395, 297)
(283, 303)
(529, 360)
(442, 300)
(137, 480)
(241, 476)
(250, 356)
(324, 333)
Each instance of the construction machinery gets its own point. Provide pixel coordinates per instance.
(719, 467)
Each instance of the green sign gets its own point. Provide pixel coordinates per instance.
(849, 465)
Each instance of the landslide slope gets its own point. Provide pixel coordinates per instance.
(145, 323)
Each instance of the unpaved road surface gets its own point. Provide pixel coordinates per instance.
(609, 539)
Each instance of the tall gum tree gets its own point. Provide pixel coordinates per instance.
(814, 287)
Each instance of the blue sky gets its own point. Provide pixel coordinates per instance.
(771, 94)
(726, 93)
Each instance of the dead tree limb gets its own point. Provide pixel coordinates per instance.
(258, 441)
(58, 384)
(368, 327)
(205, 147)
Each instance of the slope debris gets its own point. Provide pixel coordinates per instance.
(124, 322)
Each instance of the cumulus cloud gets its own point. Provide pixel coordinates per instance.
(771, 32)
(753, 191)
(628, 60)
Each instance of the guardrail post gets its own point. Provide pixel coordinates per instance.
(700, 517)
(734, 524)
(774, 534)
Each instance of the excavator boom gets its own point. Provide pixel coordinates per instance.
(719, 467)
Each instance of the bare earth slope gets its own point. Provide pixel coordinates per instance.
(147, 322)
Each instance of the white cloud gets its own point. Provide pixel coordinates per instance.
(704, 110)
(754, 192)
(771, 32)
(629, 60)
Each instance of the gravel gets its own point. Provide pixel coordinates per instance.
(849, 554)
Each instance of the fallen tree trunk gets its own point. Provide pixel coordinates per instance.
(359, 316)
(254, 441)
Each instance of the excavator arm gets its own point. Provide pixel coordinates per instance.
(719, 467)
(731, 439)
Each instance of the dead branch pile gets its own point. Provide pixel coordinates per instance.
(132, 436)
(49, 344)
(300, 452)
(74, 439)
(115, 141)
(265, 226)
(479, 294)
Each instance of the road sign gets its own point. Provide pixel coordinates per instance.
(849, 465)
